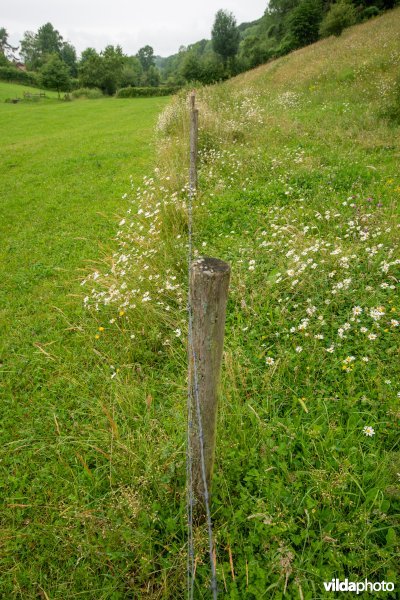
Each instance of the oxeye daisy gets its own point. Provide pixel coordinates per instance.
(368, 431)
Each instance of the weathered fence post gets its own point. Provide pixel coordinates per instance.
(209, 292)
(194, 129)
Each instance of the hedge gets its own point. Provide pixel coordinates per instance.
(15, 75)
(137, 92)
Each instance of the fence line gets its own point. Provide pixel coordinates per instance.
(207, 297)
(189, 458)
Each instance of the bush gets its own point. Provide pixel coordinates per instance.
(75, 84)
(17, 76)
(90, 93)
(369, 12)
(286, 45)
(342, 14)
(145, 92)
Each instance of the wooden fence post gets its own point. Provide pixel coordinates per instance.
(194, 131)
(209, 292)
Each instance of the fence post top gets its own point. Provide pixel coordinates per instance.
(211, 266)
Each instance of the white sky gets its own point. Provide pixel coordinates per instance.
(163, 24)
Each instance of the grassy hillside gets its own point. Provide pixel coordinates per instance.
(299, 191)
(16, 90)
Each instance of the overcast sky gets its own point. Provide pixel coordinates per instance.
(164, 24)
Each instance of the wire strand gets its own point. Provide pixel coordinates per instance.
(193, 390)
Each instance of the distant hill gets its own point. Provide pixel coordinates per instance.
(201, 47)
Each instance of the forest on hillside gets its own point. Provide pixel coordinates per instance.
(44, 58)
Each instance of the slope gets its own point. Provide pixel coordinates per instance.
(299, 190)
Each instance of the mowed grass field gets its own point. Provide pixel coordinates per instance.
(64, 168)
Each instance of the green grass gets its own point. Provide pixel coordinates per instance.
(298, 170)
(64, 169)
(15, 90)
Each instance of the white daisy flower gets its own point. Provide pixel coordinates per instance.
(368, 431)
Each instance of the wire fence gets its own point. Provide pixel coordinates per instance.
(193, 397)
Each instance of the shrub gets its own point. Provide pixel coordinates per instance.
(369, 12)
(342, 14)
(145, 92)
(17, 76)
(90, 93)
(286, 45)
(74, 83)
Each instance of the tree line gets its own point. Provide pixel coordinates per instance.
(285, 26)
(55, 62)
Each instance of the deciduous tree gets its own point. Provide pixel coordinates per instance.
(6, 49)
(48, 40)
(29, 50)
(342, 14)
(152, 77)
(68, 55)
(90, 68)
(225, 35)
(192, 69)
(54, 74)
(146, 57)
(304, 22)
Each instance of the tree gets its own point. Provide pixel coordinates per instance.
(54, 74)
(146, 57)
(342, 14)
(213, 69)
(68, 55)
(128, 77)
(191, 68)
(6, 50)
(255, 50)
(131, 73)
(48, 40)
(37, 47)
(225, 35)
(152, 77)
(4, 62)
(102, 70)
(90, 68)
(281, 7)
(304, 22)
(29, 51)
(112, 63)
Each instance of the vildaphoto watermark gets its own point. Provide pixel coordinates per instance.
(335, 585)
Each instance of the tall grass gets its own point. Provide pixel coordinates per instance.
(296, 193)
(299, 191)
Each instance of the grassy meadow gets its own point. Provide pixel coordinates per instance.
(299, 191)
(64, 169)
